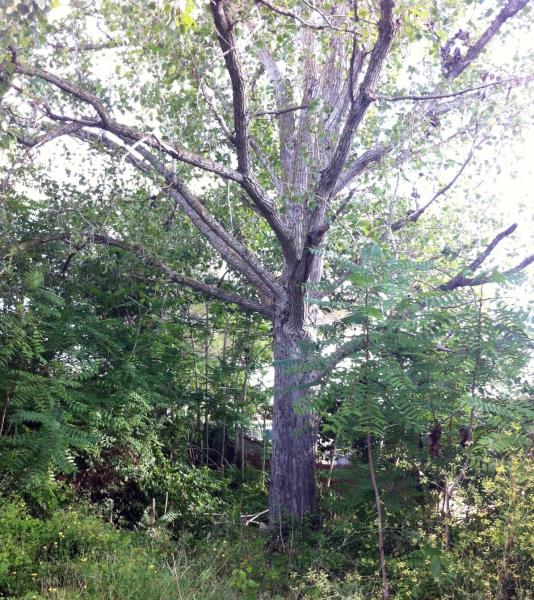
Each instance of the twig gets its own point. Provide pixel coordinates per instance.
(282, 111)
(430, 96)
(287, 13)
(416, 214)
(252, 518)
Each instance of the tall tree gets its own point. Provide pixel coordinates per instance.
(184, 103)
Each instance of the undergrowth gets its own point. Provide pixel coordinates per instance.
(73, 553)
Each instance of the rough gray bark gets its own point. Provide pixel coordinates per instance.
(292, 491)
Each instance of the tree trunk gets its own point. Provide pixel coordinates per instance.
(292, 489)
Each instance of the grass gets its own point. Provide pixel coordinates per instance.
(75, 555)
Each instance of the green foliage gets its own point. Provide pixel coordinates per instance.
(103, 384)
(120, 372)
(120, 388)
(194, 496)
(35, 551)
(427, 358)
(41, 401)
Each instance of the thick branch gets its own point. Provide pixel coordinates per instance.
(330, 176)
(199, 286)
(483, 279)
(329, 362)
(228, 42)
(68, 129)
(336, 87)
(373, 155)
(230, 249)
(366, 95)
(266, 207)
(369, 157)
(147, 259)
(522, 265)
(509, 10)
(461, 280)
(260, 197)
(106, 122)
(67, 87)
(311, 262)
(490, 247)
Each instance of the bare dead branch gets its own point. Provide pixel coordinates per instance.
(415, 215)
(519, 80)
(511, 8)
(461, 280)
